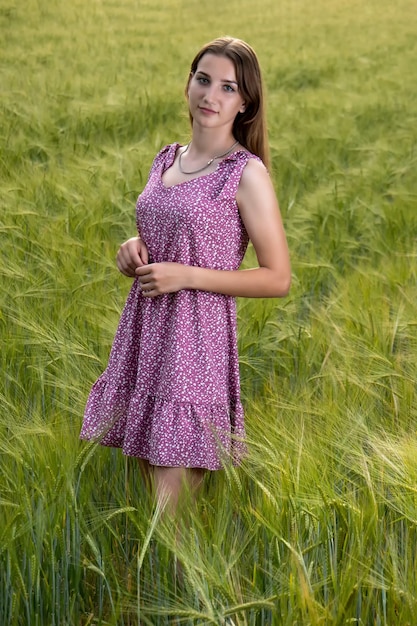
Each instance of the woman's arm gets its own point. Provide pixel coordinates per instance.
(259, 210)
(260, 214)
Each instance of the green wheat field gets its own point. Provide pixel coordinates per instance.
(319, 525)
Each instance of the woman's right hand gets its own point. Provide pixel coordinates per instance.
(132, 254)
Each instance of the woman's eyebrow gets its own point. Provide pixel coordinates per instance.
(223, 80)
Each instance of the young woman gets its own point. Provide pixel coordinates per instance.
(170, 393)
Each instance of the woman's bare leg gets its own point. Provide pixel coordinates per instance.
(170, 482)
(146, 471)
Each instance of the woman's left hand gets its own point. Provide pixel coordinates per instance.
(159, 278)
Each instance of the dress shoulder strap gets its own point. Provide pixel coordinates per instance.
(232, 168)
(163, 155)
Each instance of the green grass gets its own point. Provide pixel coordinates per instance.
(319, 526)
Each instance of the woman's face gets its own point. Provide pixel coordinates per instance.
(214, 98)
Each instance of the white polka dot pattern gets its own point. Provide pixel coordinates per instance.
(170, 393)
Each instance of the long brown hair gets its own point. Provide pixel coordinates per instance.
(249, 127)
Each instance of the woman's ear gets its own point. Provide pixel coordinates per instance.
(242, 108)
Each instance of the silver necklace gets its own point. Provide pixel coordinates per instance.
(219, 156)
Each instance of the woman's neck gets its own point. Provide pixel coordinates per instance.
(210, 144)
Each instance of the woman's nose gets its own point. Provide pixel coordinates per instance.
(210, 94)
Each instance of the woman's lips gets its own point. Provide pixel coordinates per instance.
(207, 111)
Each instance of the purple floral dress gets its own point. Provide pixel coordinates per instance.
(170, 393)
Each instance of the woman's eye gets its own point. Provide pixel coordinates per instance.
(228, 88)
(202, 80)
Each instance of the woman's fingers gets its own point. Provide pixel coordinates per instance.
(132, 254)
(160, 278)
(123, 263)
(143, 252)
